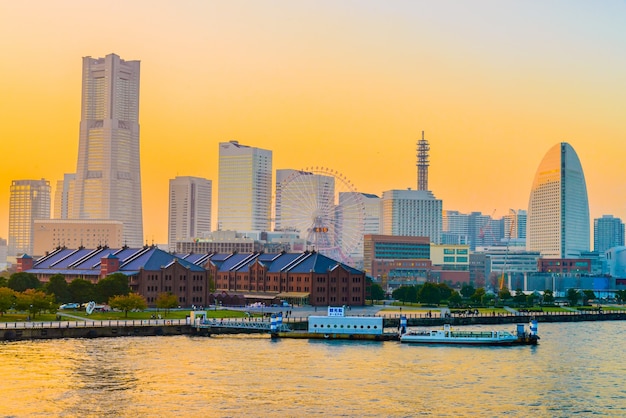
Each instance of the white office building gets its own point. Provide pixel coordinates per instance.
(558, 208)
(244, 188)
(189, 209)
(29, 200)
(414, 213)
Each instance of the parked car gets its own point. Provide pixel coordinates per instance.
(69, 306)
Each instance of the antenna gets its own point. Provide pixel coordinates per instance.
(422, 163)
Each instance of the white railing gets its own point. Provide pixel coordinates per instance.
(93, 324)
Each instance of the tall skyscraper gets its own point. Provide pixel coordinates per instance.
(515, 224)
(608, 232)
(244, 188)
(189, 209)
(29, 200)
(413, 213)
(108, 181)
(62, 196)
(558, 208)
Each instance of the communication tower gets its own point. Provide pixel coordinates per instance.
(422, 163)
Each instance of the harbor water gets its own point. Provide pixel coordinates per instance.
(576, 370)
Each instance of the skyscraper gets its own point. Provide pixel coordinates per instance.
(558, 208)
(413, 213)
(244, 188)
(62, 197)
(108, 181)
(189, 209)
(608, 232)
(29, 200)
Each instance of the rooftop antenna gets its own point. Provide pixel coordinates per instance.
(422, 163)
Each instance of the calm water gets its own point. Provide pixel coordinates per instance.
(577, 370)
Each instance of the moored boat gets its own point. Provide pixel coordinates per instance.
(472, 337)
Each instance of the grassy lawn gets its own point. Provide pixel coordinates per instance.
(105, 316)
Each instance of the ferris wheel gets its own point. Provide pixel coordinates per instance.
(325, 209)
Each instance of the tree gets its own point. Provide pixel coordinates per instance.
(548, 296)
(3, 281)
(34, 301)
(587, 296)
(572, 297)
(112, 285)
(7, 299)
(455, 299)
(128, 302)
(429, 294)
(504, 294)
(520, 297)
(478, 295)
(405, 294)
(467, 291)
(57, 286)
(82, 290)
(166, 301)
(23, 281)
(620, 295)
(376, 292)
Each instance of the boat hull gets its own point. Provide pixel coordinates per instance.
(336, 336)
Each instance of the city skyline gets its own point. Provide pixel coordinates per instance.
(492, 85)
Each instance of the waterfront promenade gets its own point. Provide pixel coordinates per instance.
(73, 326)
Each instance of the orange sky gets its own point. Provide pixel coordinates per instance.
(347, 85)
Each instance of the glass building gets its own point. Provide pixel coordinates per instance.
(244, 188)
(189, 213)
(29, 200)
(108, 182)
(608, 232)
(558, 208)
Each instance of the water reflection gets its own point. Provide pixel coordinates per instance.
(573, 371)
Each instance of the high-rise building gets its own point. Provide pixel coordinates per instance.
(108, 181)
(29, 200)
(244, 188)
(414, 213)
(189, 209)
(62, 196)
(515, 224)
(558, 208)
(608, 232)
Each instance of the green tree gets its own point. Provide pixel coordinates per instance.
(166, 301)
(34, 301)
(128, 302)
(548, 296)
(23, 281)
(57, 286)
(504, 294)
(7, 299)
(445, 291)
(467, 291)
(520, 297)
(82, 290)
(405, 294)
(112, 285)
(376, 292)
(455, 299)
(3, 281)
(429, 293)
(587, 296)
(573, 296)
(478, 295)
(620, 295)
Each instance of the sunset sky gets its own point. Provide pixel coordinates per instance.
(345, 85)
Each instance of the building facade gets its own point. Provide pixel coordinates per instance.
(75, 233)
(244, 188)
(608, 232)
(558, 207)
(29, 200)
(62, 197)
(108, 181)
(190, 208)
(414, 213)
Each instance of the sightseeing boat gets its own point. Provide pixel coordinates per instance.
(473, 337)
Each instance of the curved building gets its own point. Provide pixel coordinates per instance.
(558, 208)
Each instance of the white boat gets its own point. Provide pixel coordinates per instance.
(472, 337)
